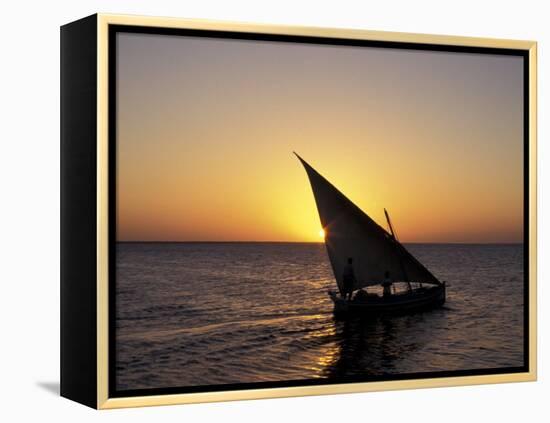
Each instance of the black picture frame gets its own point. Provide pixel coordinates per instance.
(79, 205)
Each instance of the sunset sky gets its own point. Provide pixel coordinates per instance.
(206, 129)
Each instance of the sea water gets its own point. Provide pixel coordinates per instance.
(194, 314)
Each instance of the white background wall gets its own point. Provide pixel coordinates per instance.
(29, 231)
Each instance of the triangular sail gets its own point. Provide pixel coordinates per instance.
(349, 232)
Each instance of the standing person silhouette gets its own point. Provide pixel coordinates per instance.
(348, 279)
(387, 284)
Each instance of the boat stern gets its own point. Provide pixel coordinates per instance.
(340, 304)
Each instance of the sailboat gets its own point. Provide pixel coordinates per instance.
(377, 255)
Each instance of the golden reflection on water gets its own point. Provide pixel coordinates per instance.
(327, 360)
(329, 353)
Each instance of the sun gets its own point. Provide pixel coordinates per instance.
(322, 233)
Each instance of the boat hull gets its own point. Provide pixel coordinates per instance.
(418, 300)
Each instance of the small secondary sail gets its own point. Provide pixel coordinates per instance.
(351, 233)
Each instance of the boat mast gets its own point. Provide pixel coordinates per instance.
(390, 225)
(394, 236)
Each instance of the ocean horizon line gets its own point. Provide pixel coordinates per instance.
(309, 242)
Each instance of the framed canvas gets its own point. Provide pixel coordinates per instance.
(255, 211)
